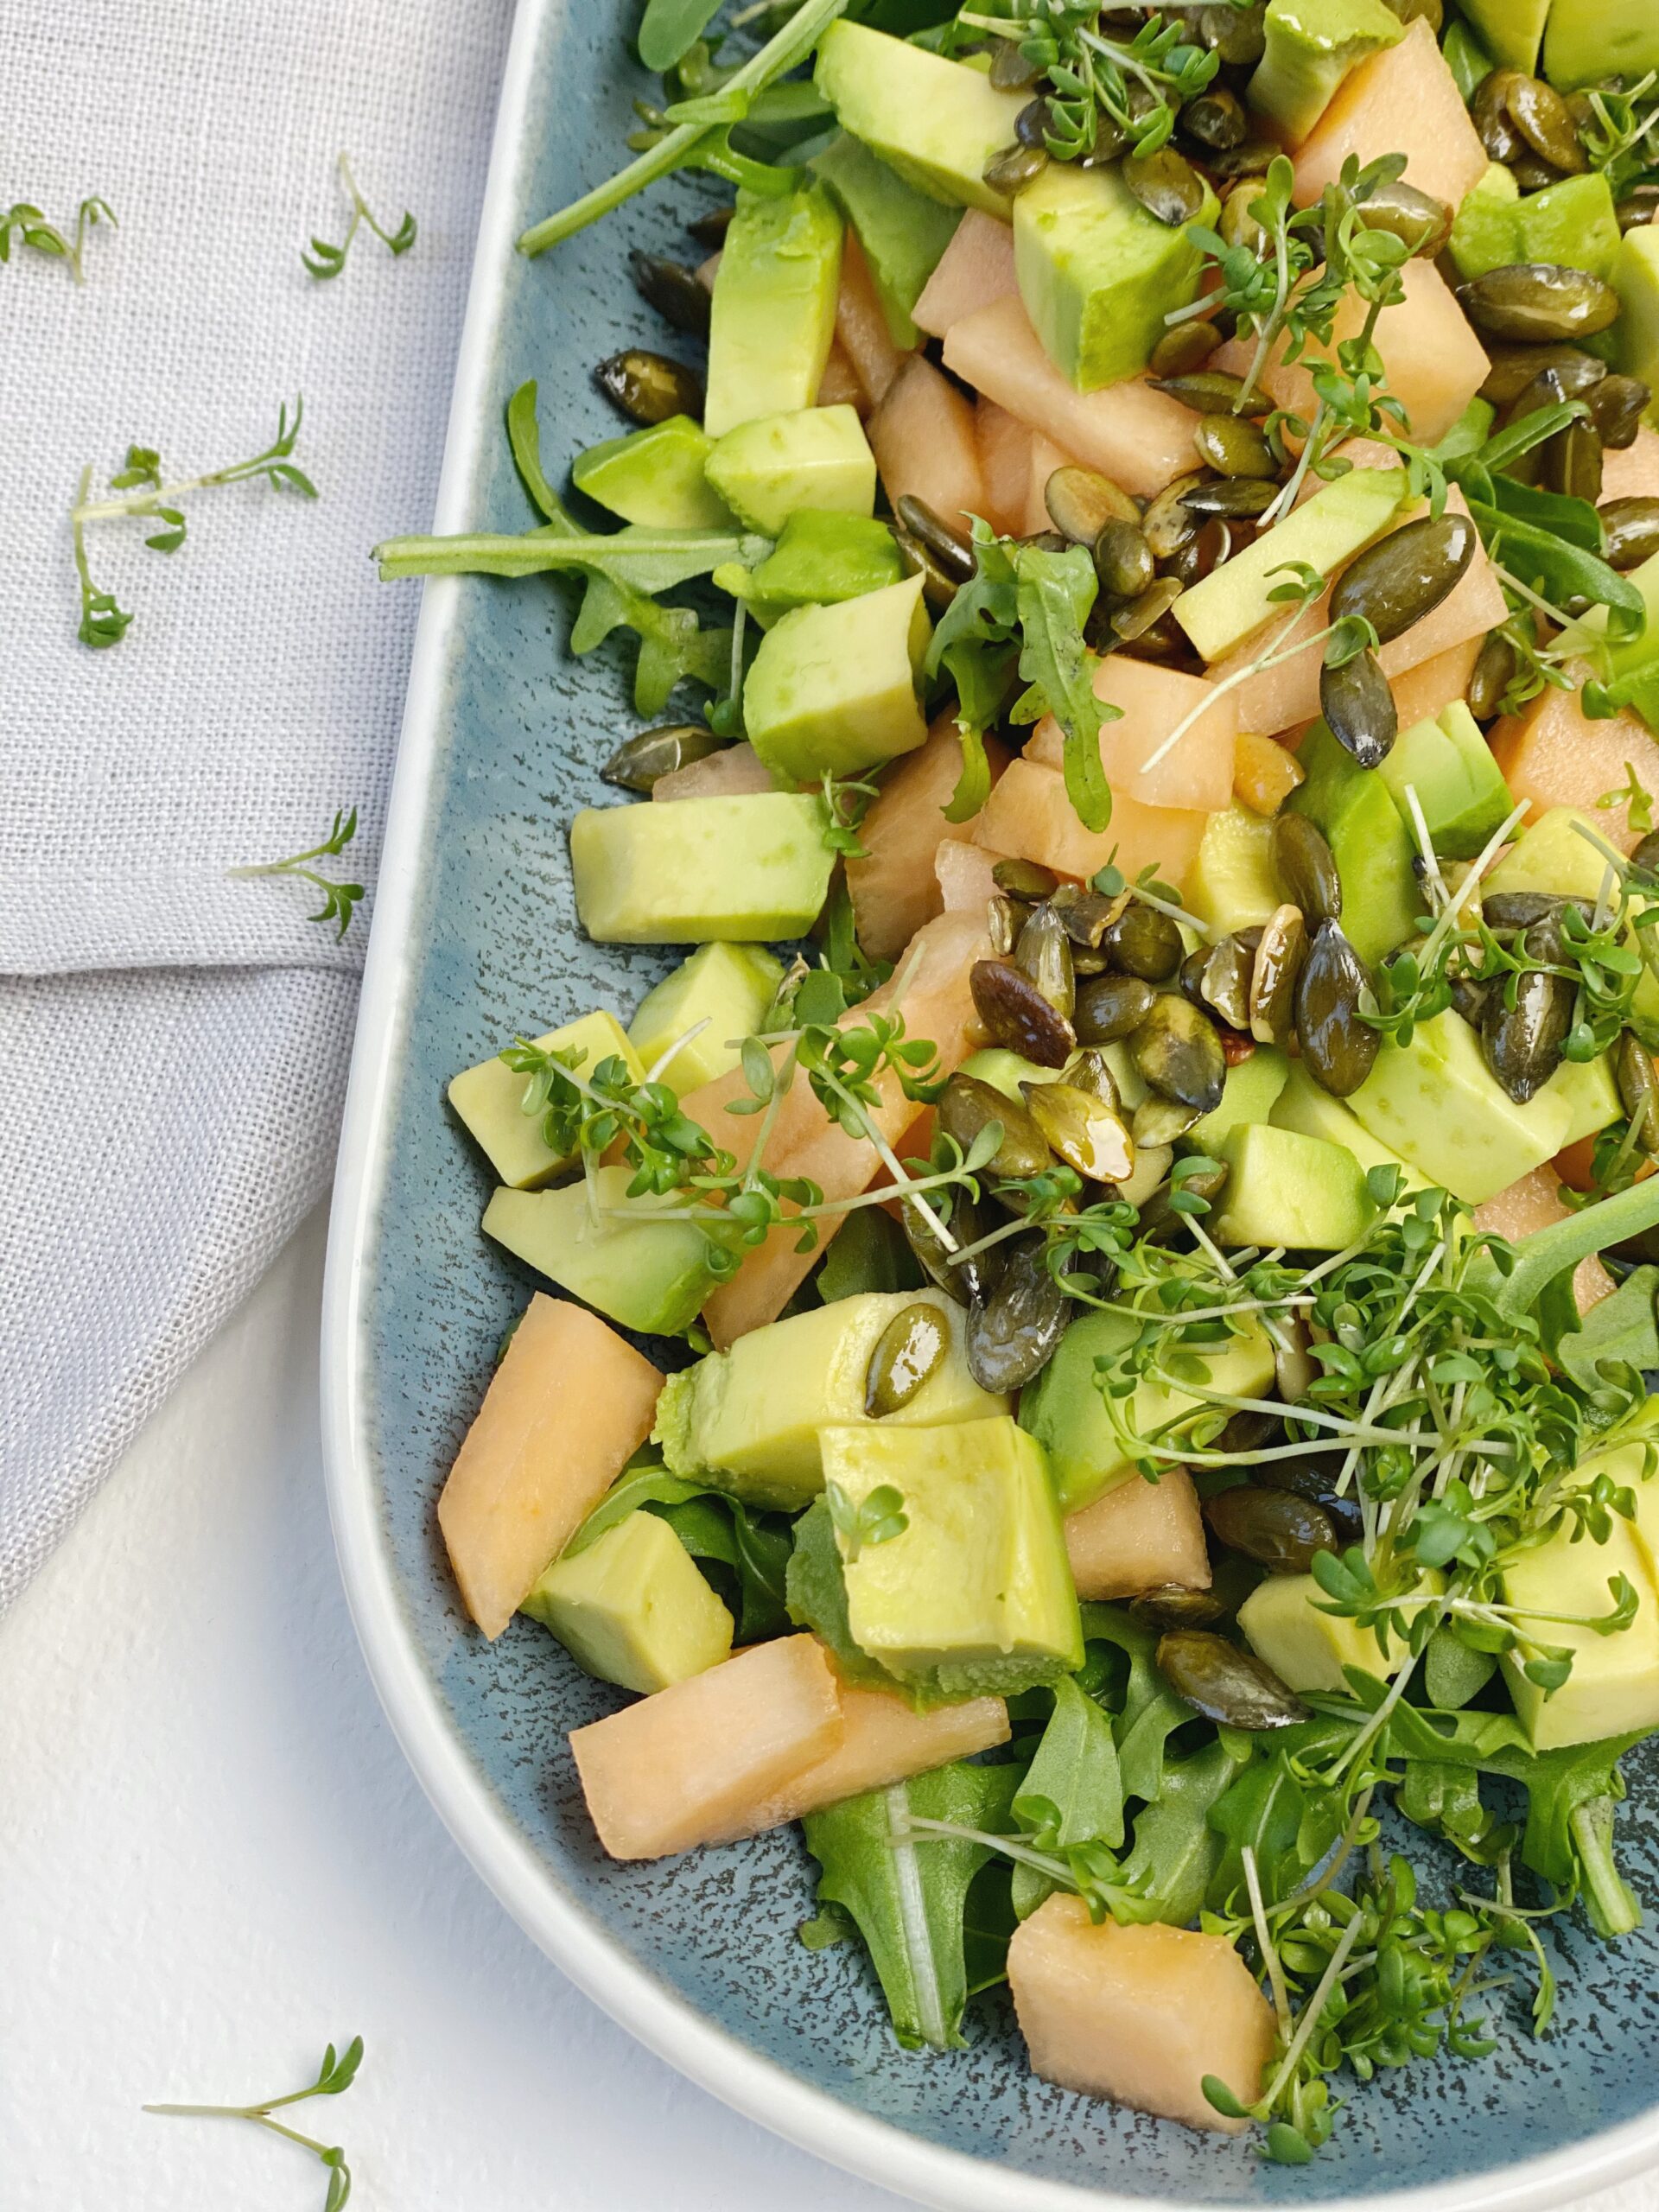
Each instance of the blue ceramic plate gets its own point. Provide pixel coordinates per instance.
(474, 939)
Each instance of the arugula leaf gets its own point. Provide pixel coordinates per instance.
(1575, 520)
(670, 28)
(910, 1898)
(1072, 1792)
(1289, 1826)
(1150, 1713)
(1054, 594)
(1176, 1852)
(1564, 574)
(1621, 1330)
(972, 644)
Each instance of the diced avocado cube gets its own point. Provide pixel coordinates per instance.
(632, 1608)
(1311, 47)
(747, 1421)
(774, 314)
(1312, 1112)
(1249, 1094)
(748, 869)
(1614, 1686)
(1284, 1188)
(1587, 1093)
(1308, 1649)
(819, 560)
(1435, 1102)
(1231, 884)
(1099, 272)
(1636, 279)
(1587, 41)
(648, 1276)
(833, 690)
(936, 122)
(1369, 842)
(1572, 224)
(817, 457)
(654, 476)
(979, 1571)
(490, 1100)
(1459, 787)
(1628, 1456)
(1512, 31)
(727, 986)
(903, 232)
(1065, 1410)
(1233, 602)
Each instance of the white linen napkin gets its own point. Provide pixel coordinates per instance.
(173, 1042)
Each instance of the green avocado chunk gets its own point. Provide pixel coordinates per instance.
(833, 690)
(817, 457)
(1371, 846)
(654, 477)
(632, 1608)
(1231, 884)
(1511, 31)
(1572, 223)
(903, 232)
(1460, 788)
(936, 122)
(1249, 1093)
(747, 1421)
(490, 1101)
(1636, 279)
(1434, 1101)
(749, 869)
(1587, 41)
(648, 1276)
(772, 317)
(818, 560)
(1099, 272)
(729, 987)
(1284, 1188)
(1304, 1107)
(1307, 1648)
(979, 1570)
(1613, 1688)
(1066, 1411)
(1311, 47)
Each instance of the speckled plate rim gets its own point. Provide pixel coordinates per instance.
(655, 2015)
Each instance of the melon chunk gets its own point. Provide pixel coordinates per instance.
(1534, 1203)
(1633, 474)
(1140, 2015)
(1197, 774)
(732, 773)
(975, 268)
(1404, 100)
(922, 435)
(1422, 693)
(1138, 1536)
(570, 1404)
(862, 324)
(965, 878)
(1552, 755)
(1016, 463)
(840, 384)
(1030, 816)
(894, 889)
(686, 1765)
(1137, 436)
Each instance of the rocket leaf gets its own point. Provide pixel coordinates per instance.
(1176, 1851)
(1055, 593)
(1621, 1329)
(1072, 1792)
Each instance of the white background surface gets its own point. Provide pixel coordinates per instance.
(213, 1861)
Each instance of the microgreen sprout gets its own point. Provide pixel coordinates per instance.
(340, 899)
(323, 260)
(26, 223)
(860, 1524)
(336, 2075)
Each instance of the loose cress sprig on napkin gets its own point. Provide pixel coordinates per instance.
(26, 222)
(334, 2075)
(323, 260)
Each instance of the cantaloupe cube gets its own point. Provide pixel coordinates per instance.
(922, 435)
(1140, 2015)
(1423, 692)
(1016, 463)
(1632, 474)
(894, 889)
(732, 773)
(1137, 436)
(1552, 755)
(682, 1767)
(1138, 1536)
(841, 386)
(862, 324)
(1030, 816)
(570, 1404)
(965, 878)
(1534, 1203)
(975, 268)
(1153, 701)
(1265, 773)
(1404, 100)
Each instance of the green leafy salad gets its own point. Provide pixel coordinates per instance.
(1101, 1318)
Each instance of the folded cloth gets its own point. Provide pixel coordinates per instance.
(169, 1110)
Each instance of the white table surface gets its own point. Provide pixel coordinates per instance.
(213, 1861)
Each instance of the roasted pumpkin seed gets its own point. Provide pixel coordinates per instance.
(1632, 527)
(1231, 498)
(1488, 111)
(1013, 169)
(1112, 1006)
(1275, 1528)
(1143, 942)
(1535, 301)
(1044, 953)
(1571, 460)
(1514, 367)
(1035, 124)
(1004, 918)
(1638, 207)
(1160, 1221)
(949, 546)
(1618, 405)
(965, 1280)
(1026, 879)
(1013, 1335)
(1226, 1684)
(1539, 114)
(649, 387)
(1306, 867)
(1494, 673)
(939, 586)
(1406, 574)
(1166, 184)
(1358, 706)
(1216, 118)
(1091, 1071)
(1272, 978)
(1085, 1132)
(909, 1349)
(638, 761)
(1179, 1054)
(1158, 1121)
(710, 229)
(1123, 560)
(1315, 1478)
(1224, 980)
(1421, 222)
(1214, 391)
(1237, 34)
(967, 1106)
(1172, 1606)
(1168, 523)
(1011, 70)
(1523, 1043)
(1018, 1015)
(1081, 502)
(1085, 915)
(1338, 1048)
(677, 293)
(1233, 446)
(1638, 1090)
(1183, 347)
(1237, 224)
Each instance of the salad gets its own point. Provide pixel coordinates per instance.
(1100, 1315)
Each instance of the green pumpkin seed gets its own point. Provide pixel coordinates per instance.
(709, 230)
(1091, 1071)
(1523, 1043)
(950, 547)
(1237, 225)
(1005, 918)
(1178, 1054)
(1086, 915)
(1359, 708)
(638, 761)
(679, 294)
(1123, 561)
(1632, 527)
(1252, 159)
(1216, 118)
(1166, 184)
(1488, 111)
(1506, 912)
(1026, 879)
(1161, 1223)
(939, 586)
(1295, 1370)
(1237, 34)
(649, 387)
(1407, 575)
(1227, 1685)
(1033, 124)
(1018, 1015)
(967, 1106)
(1276, 1528)
(1085, 1132)
(1316, 1479)
(1183, 347)
(1044, 953)
(1535, 301)
(1638, 1090)
(1014, 1334)
(1272, 978)
(1015, 167)
(1233, 446)
(1420, 222)
(1110, 139)
(1158, 1123)
(1172, 1606)
(1213, 392)
(1638, 208)
(963, 1281)
(1532, 173)
(1167, 524)
(1306, 867)
(1081, 502)
(1143, 942)
(1495, 669)
(1572, 460)
(1618, 405)
(1011, 71)
(1224, 982)
(1110, 1007)
(1231, 498)
(1514, 367)
(1147, 631)
(910, 1349)
(1338, 1049)
(1539, 114)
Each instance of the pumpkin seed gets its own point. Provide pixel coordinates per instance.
(677, 293)
(1632, 527)
(1172, 1606)
(966, 1106)
(1110, 139)
(1013, 1335)
(1275, 1528)
(1112, 1006)
(1086, 1134)
(1123, 561)
(1537, 301)
(1213, 392)
(1184, 348)
(1338, 1049)
(1178, 1053)
(1158, 1121)
(1169, 524)
(1539, 114)
(1085, 915)
(1018, 1015)
(1411, 11)
(1231, 498)
(1646, 855)
(1166, 184)
(1044, 953)
(1081, 502)
(1316, 1479)
(908, 1351)
(1306, 867)
(1494, 673)
(1142, 615)
(711, 230)
(1015, 167)
(1011, 70)
(1522, 1043)
(1143, 942)
(1226, 1684)
(1026, 879)
(1033, 124)
(1514, 367)
(1506, 912)
(1005, 918)
(1571, 460)
(1618, 405)
(1237, 225)
(951, 548)
(1224, 980)
(638, 761)
(939, 586)
(1160, 1221)
(1151, 633)
(1272, 979)
(649, 387)
(1469, 997)
(1555, 382)
(1216, 118)
(1488, 111)
(1405, 575)
(965, 1280)
(1252, 159)
(1235, 448)
(1532, 173)
(1420, 222)
(1237, 34)
(1091, 1071)
(1295, 1370)
(1359, 707)
(1638, 1090)
(1638, 208)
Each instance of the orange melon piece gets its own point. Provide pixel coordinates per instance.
(1197, 774)
(1404, 100)
(734, 771)
(1139, 1536)
(1265, 773)
(1140, 2015)
(963, 875)
(687, 1765)
(1432, 686)
(922, 435)
(1533, 1203)
(568, 1407)
(975, 268)
(894, 890)
(1030, 817)
(1137, 436)
(860, 326)
(1552, 755)
(1633, 474)
(841, 386)
(1016, 463)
